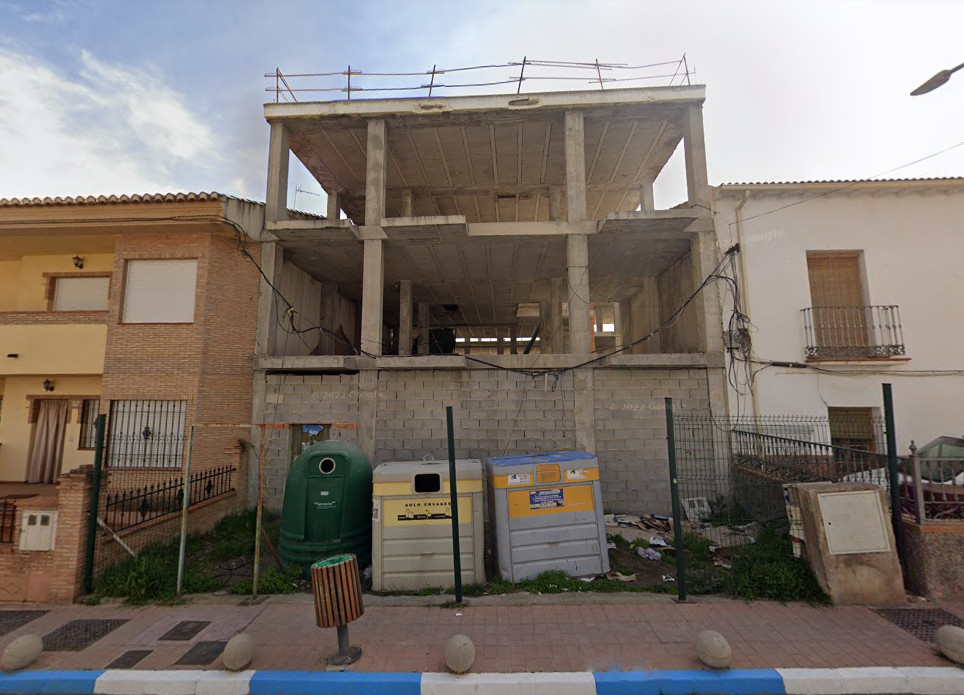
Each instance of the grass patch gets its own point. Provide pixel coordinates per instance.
(272, 581)
(152, 576)
(767, 569)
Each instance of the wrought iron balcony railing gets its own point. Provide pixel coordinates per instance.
(853, 332)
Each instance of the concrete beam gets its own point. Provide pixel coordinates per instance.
(276, 197)
(577, 259)
(473, 103)
(575, 152)
(272, 260)
(532, 228)
(694, 154)
(424, 321)
(376, 172)
(647, 202)
(334, 206)
(404, 317)
(373, 296)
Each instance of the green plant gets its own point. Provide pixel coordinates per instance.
(272, 581)
(619, 541)
(498, 585)
(474, 590)
(152, 576)
(697, 547)
(430, 591)
(767, 569)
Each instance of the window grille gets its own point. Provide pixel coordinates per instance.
(88, 423)
(146, 434)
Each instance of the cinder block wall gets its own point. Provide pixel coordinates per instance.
(496, 412)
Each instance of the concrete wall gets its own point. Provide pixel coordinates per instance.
(935, 559)
(912, 248)
(496, 412)
(675, 286)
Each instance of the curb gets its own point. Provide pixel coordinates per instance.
(785, 681)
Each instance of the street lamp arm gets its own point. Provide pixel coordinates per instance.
(936, 81)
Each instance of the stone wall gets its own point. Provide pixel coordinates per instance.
(496, 412)
(935, 559)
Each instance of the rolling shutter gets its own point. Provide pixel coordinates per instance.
(81, 294)
(160, 291)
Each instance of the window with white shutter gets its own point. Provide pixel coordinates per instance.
(80, 294)
(160, 291)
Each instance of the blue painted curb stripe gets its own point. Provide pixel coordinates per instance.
(334, 683)
(732, 682)
(46, 682)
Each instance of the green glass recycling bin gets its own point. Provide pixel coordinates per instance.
(327, 506)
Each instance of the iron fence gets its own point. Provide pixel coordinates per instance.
(932, 488)
(853, 332)
(8, 519)
(124, 509)
(731, 471)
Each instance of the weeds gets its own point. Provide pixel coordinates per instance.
(767, 569)
(272, 581)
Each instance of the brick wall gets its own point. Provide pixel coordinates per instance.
(496, 412)
(56, 575)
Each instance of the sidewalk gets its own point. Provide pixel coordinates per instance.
(599, 634)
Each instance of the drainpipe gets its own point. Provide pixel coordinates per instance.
(745, 289)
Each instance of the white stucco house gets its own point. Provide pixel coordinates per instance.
(848, 285)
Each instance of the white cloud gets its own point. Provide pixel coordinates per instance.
(106, 129)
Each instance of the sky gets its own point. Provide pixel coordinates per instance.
(140, 96)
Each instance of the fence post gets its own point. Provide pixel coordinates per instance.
(892, 462)
(674, 494)
(186, 503)
(94, 504)
(920, 511)
(454, 498)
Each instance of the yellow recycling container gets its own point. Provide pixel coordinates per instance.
(412, 525)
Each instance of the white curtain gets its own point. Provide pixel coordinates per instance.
(48, 442)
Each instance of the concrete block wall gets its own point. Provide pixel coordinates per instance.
(631, 432)
(496, 412)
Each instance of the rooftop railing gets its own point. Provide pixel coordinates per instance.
(496, 78)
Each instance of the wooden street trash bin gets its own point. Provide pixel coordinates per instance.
(336, 587)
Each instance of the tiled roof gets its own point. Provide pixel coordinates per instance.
(119, 199)
(841, 182)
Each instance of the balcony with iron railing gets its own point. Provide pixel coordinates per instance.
(853, 332)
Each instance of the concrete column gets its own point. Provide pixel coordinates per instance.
(329, 309)
(704, 254)
(276, 198)
(624, 324)
(513, 335)
(375, 173)
(584, 410)
(500, 337)
(367, 411)
(404, 317)
(334, 206)
(408, 203)
(577, 254)
(545, 333)
(646, 201)
(557, 207)
(272, 261)
(694, 153)
(373, 294)
(424, 319)
(645, 307)
(575, 167)
(555, 315)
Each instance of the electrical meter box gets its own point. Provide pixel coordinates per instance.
(545, 513)
(412, 525)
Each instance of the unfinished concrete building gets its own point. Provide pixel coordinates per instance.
(524, 228)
